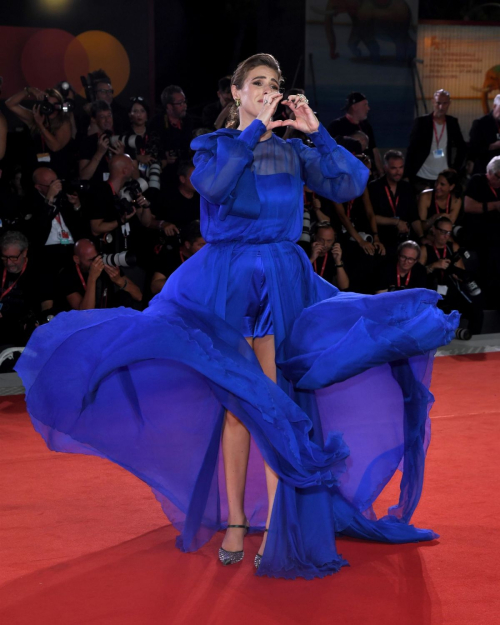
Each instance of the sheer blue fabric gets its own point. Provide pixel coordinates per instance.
(350, 407)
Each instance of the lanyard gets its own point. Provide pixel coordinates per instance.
(391, 201)
(408, 275)
(323, 267)
(112, 187)
(435, 131)
(84, 284)
(4, 278)
(182, 256)
(494, 191)
(445, 249)
(447, 205)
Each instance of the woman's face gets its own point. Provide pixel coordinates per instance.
(138, 115)
(443, 187)
(258, 82)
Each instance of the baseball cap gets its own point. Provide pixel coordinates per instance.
(353, 98)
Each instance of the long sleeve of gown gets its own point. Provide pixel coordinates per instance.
(223, 172)
(329, 169)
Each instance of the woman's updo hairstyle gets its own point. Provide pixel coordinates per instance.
(452, 177)
(240, 74)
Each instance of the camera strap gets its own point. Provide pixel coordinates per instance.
(323, 267)
(408, 276)
(4, 278)
(391, 200)
(349, 209)
(494, 191)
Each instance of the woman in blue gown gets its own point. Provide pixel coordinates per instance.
(246, 340)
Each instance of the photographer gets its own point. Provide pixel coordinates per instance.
(50, 128)
(84, 285)
(55, 220)
(393, 201)
(168, 260)
(119, 215)
(404, 273)
(445, 267)
(24, 294)
(95, 150)
(326, 256)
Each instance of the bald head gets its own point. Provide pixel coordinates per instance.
(85, 253)
(42, 178)
(121, 166)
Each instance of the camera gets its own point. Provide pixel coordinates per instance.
(153, 174)
(89, 89)
(120, 259)
(70, 187)
(47, 108)
(132, 189)
(470, 286)
(366, 237)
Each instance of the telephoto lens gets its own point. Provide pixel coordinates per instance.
(154, 174)
(120, 259)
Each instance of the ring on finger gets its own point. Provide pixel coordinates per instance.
(302, 98)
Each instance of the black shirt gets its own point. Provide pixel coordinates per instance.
(342, 127)
(29, 291)
(102, 203)
(403, 205)
(388, 278)
(70, 282)
(178, 209)
(88, 148)
(168, 260)
(480, 190)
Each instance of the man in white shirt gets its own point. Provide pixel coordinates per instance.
(436, 143)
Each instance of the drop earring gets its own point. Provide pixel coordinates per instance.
(237, 101)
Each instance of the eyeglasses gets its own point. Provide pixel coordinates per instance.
(104, 90)
(408, 259)
(137, 99)
(11, 258)
(445, 233)
(179, 103)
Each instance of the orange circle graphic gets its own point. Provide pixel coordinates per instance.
(105, 52)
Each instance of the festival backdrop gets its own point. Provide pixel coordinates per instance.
(45, 41)
(464, 59)
(367, 46)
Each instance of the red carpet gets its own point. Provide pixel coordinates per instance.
(83, 542)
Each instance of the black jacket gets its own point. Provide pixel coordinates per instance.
(421, 141)
(483, 133)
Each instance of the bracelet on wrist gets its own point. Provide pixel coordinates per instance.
(124, 285)
(340, 265)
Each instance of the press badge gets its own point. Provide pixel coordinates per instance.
(43, 157)
(442, 289)
(439, 153)
(64, 237)
(105, 176)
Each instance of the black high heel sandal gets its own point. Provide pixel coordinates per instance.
(232, 557)
(258, 556)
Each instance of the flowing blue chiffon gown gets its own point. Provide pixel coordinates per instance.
(148, 390)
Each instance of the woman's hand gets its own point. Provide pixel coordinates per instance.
(380, 247)
(367, 247)
(38, 94)
(269, 106)
(305, 120)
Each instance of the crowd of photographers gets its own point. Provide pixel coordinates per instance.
(97, 208)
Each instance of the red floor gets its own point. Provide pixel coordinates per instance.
(83, 542)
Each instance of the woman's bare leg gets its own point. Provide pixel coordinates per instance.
(266, 355)
(235, 450)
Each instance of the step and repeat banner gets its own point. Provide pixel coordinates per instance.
(464, 60)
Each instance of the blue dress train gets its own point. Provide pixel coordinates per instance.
(350, 407)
